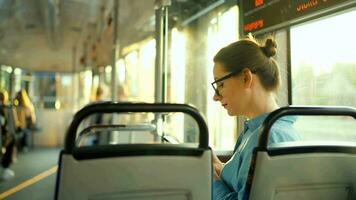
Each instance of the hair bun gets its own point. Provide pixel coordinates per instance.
(270, 47)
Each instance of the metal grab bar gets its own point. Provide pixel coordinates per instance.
(118, 127)
(125, 107)
(300, 110)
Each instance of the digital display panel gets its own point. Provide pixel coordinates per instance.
(269, 15)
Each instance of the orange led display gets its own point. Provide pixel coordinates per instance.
(258, 24)
(270, 15)
(258, 3)
(307, 5)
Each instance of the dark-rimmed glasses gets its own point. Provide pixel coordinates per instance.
(215, 84)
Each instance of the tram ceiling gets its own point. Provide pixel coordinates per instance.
(54, 35)
(66, 35)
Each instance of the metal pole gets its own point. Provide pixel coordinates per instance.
(158, 62)
(112, 138)
(161, 50)
(74, 99)
(114, 52)
(164, 53)
(161, 61)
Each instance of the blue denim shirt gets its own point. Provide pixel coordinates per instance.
(232, 185)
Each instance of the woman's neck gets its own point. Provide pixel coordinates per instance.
(262, 104)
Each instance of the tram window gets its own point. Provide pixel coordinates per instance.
(64, 95)
(317, 130)
(85, 81)
(146, 72)
(17, 79)
(323, 69)
(134, 128)
(189, 72)
(5, 77)
(138, 66)
(44, 90)
(189, 69)
(324, 61)
(178, 60)
(223, 30)
(51, 90)
(197, 48)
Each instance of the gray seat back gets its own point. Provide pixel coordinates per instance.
(303, 171)
(135, 171)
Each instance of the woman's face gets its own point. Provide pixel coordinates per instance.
(232, 93)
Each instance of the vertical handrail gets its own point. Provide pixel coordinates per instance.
(161, 50)
(114, 51)
(161, 68)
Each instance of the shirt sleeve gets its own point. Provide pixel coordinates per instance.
(222, 192)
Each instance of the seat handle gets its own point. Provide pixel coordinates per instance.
(300, 110)
(125, 107)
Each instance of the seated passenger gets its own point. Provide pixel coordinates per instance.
(100, 137)
(8, 140)
(246, 79)
(26, 117)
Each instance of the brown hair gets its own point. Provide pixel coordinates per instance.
(248, 53)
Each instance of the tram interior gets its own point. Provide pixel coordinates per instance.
(62, 56)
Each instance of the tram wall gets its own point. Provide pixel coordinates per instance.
(53, 126)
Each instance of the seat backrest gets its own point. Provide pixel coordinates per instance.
(307, 171)
(138, 176)
(135, 171)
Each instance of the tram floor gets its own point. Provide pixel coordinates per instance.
(35, 175)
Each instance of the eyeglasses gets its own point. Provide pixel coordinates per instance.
(216, 84)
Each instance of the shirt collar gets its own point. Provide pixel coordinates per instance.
(254, 123)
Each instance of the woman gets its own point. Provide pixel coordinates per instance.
(26, 116)
(246, 79)
(8, 139)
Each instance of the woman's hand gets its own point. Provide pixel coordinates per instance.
(217, 166)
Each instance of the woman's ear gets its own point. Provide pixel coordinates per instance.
(247, 78)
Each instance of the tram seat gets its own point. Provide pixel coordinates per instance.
(308, 171)
(135, 171)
